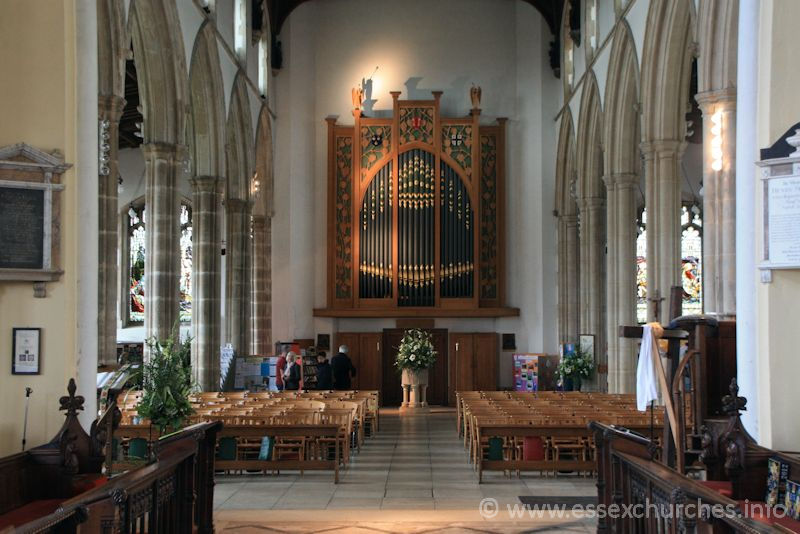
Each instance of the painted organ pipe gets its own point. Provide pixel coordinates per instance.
(416, 221)
(375, 237)
(456, 271)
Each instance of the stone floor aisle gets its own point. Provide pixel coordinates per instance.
(413, 463)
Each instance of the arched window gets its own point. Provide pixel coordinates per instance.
(691, 263)
(135, 259)
(692, 260)
(591, 28)
(263, 63)
(641, 268)
(240, 30)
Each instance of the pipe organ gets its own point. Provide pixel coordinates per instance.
(415, 214)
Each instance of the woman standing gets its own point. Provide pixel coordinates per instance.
(291, 376)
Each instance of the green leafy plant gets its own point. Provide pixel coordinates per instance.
(415, 351)
(167, 383)
(577, 364)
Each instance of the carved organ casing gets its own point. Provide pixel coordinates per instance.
(415, 207)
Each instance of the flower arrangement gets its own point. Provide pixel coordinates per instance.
(167, 383)
(415, 351)
(577, 364)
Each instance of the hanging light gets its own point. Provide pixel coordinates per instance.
(716, 140)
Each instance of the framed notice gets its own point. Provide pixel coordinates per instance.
(26, 351)
(781, 216)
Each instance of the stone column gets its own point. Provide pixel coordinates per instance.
(206, 244)
(109, 113)
(237, 213)
(592, 281)
(663, 203)
(260, 294)
(719, 204)
(621, 280)
(748, 349)
(568, 277)
(162, 241)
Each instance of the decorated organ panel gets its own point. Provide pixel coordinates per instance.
(415, 212)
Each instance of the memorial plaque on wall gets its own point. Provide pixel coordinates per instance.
(783, 220)
(21, 228)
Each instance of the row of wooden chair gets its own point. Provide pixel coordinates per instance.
(548, 410)
(351, 411)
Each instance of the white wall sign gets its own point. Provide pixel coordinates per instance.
(781, 197)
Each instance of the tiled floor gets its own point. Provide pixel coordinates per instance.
(415, 463)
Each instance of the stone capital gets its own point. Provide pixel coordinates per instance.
(110, 107)
(720, 98)
(259, 222)
(621, 180)
(662, 148)
(207, 184)
(570, 220)
(236, 205)
(166, 151)
(592, 203)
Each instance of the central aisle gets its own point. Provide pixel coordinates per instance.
(412, 463)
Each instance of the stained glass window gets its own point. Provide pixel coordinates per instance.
(137, 217)
(136, 241)
(641, 269)
(692, 260)
(691, 263)
(186, 264)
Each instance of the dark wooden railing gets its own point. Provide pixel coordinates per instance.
(658, 498)
(173, 494)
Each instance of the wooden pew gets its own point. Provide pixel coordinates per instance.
(630, 478)
(257, 432)
(174, 493)
(513, 432)
(35, 482)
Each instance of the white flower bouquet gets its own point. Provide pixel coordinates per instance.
(578, 364)
(415, 351)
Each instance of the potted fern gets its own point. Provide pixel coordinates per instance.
(167, 384)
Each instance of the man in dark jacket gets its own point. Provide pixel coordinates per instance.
(324, 373)
(343, 369)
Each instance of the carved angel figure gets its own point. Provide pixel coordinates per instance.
(358, 97)
(475, 96)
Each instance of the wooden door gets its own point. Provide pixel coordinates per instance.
(461, 365)
(437, 376)
(486, 361)
(353, 342)
(368, 372)
(391, 392)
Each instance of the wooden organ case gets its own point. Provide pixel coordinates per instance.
(415, 214)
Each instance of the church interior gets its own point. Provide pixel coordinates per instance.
(311, 265)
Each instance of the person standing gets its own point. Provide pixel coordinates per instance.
(343, 369)
(280, 367)
(324, 373)
(292, 375)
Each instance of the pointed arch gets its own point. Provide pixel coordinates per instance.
(666, 69)
(264, 205)
(623, 168)
(565, 166)
(568, 253)
(112, 45)
(717, 33)
(622, 120)
(207, 98)
(155, 30)
(589, 141)
(239, 141)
